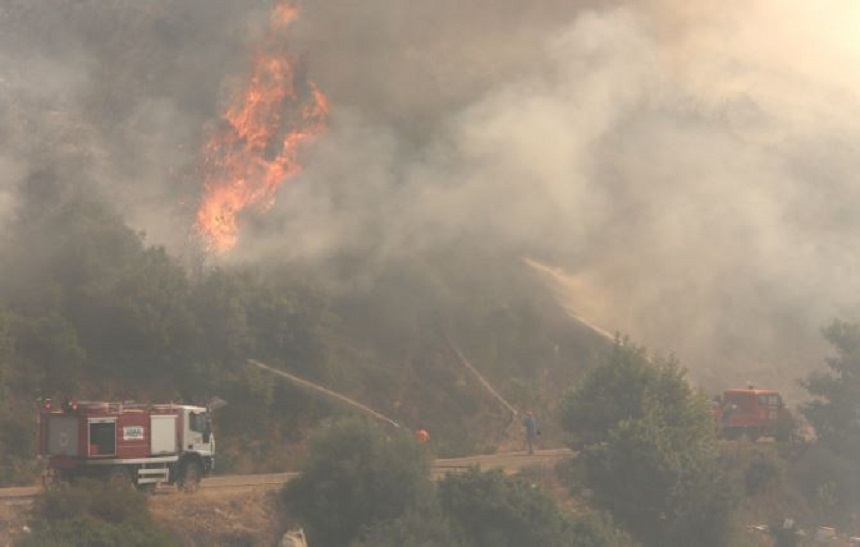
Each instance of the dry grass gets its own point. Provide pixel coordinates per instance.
(239, 516)
(13, 518)
(216, 517)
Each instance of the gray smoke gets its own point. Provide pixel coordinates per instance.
(691, 167)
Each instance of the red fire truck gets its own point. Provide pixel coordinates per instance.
(751, 411)
(141, 444)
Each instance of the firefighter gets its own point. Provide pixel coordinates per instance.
(422, 435)
(532, 431)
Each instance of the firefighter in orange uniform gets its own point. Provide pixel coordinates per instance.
(422, 435)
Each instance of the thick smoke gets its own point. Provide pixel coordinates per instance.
(114, 97)
(691, 169)
(692, 173)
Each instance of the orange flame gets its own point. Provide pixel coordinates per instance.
(256, 149)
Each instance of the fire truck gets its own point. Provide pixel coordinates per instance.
(753, 412)
(126, 442)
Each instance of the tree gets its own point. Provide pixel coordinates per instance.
(835, 409)
(834, 412)
(650, 450)
(357, 477)
(493, 510)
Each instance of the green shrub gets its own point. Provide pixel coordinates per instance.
(493, 510)
(764, 472)
(649, 450)
(415, 529)
(92, 513)
(356, 477)
(83, 531)
(100, 500)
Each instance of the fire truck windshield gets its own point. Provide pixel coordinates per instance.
(199, 422)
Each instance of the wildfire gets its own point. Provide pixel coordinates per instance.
(256, 148)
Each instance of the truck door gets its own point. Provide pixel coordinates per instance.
(199, 432)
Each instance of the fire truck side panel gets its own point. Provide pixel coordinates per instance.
(163, 434)
(132, 435)
(62, 436)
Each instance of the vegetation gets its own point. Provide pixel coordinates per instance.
(362, 486)
(491, 509)
(356, 477)
(85, 302)
(828, 471)
(91, 513)
(650, 450)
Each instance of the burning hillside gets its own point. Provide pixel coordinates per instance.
(256, 148)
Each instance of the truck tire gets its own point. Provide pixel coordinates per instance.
(732, 433)
(147, 489)
(190, 475)
(753, 433)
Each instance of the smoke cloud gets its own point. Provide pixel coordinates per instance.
(686, 173)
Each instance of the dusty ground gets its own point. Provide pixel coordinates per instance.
(223, 517)
(13, 519)
(246, 516)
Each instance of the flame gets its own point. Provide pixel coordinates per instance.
(256, 148)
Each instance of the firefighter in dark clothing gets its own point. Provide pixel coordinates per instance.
(532, 431)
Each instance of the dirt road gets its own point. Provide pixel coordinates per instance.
(244, 508)
(509, 462)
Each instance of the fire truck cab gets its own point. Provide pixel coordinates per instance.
(751, 411)
(142, 444)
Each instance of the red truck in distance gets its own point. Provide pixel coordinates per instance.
(752, 412)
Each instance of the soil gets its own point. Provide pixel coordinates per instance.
(246, 516)
(13, 522)
(240, 516)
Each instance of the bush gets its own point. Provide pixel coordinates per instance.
(357, 477)
(413, 529)
(764, 472)
(493, 510)
(89, 497)
(650, 453)
(828, 481)
(85, 531)
(92, 513)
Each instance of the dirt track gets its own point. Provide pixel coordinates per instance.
(509, 462)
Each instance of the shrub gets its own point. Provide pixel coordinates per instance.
(650, 453)
(493, 510)
(92, 513)
(414, 529)
(764, 472)
(357, 477)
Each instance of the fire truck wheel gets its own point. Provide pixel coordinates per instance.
(753, 433)
(732, 433)
(119, 476)
(189, 478)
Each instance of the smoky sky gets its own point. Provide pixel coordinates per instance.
(688, 169)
